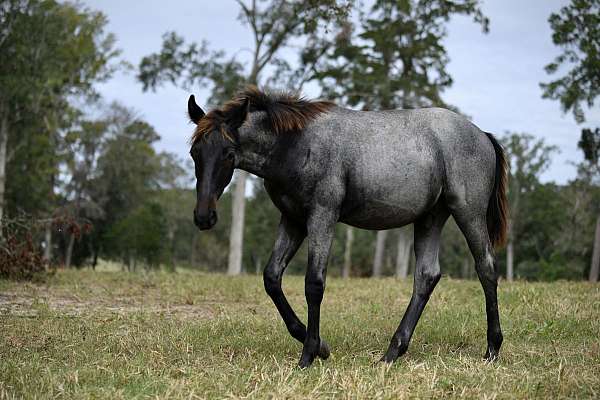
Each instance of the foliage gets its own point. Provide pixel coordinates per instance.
(51, 49)
(274, 25)
(395, 59)
(20, 257)
(194, 65)
(576, 29)
(51, 52)
(140, 235)
(590, 146)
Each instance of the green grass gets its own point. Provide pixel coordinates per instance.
(185, 335)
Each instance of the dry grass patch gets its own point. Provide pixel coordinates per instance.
(119, 335)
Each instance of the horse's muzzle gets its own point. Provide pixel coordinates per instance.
(205, 221)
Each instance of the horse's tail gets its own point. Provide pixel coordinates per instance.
(497, 212)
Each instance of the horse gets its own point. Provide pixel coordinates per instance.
(323, 164)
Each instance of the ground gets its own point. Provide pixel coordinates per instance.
(85, 334)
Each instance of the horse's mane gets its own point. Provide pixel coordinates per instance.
(285, 111)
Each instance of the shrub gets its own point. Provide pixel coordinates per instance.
(20, 257)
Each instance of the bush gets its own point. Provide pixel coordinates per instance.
(20, 257)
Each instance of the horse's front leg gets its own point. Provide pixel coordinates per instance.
(320, 227)
(289, 238)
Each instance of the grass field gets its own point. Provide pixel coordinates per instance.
(118, 335)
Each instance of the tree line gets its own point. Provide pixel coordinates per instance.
(90, 174)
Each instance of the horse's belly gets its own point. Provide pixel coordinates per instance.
(391, 198)
(379, 214)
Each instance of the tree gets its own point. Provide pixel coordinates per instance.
(128, 174)
(260, 229)
(169, 197)
(595, 265)
(590, 145)
(274, 24)
(405, 236)
(50, 52)
(454, 252)
(396, 60)
(347, 267)
(576, 29)
(84, 145)
(140, 235)
(527, 158)
(379, 253)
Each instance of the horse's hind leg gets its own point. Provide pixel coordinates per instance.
(427, 274)
(475, 230)
(289, 238)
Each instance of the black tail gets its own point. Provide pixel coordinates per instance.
(497, 212)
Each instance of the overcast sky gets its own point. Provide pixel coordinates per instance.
(496, 76)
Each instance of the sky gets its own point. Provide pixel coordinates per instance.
(496, 75)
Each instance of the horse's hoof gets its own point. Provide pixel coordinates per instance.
(390, 355)
(388, 358)
(491, 356)
(324, 351)
(305, 362)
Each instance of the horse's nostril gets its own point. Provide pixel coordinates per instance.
(212, 217)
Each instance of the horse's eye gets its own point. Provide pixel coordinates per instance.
(230, 156)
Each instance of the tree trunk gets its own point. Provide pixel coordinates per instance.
(405, 239)
(238, 202)
(595, 267)
(171, 236)
(379, 252)
(236, 235)
(48, 248)
(95, 259)
(193, 251)
(466, 268)
(69, 251)
(348, 252)
(509, 261)
(3, 160)
(258, 265)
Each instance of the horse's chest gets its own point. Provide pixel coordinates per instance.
(292, 206)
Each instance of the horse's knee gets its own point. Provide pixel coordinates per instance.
(486, 269)
(314, 287)
(431, 278)
(426, 280)
(272, 281)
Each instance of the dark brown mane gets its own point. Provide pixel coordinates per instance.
(286, 112)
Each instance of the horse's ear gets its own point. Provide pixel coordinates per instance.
(238, 115)
(194, 111)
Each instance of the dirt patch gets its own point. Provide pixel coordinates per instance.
(18, 304)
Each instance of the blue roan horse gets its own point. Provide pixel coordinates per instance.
(322, 164)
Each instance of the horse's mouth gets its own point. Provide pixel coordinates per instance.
(206, 223)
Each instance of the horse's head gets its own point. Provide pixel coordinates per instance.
(214, 151)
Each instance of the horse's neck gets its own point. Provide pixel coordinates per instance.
(255, 146)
